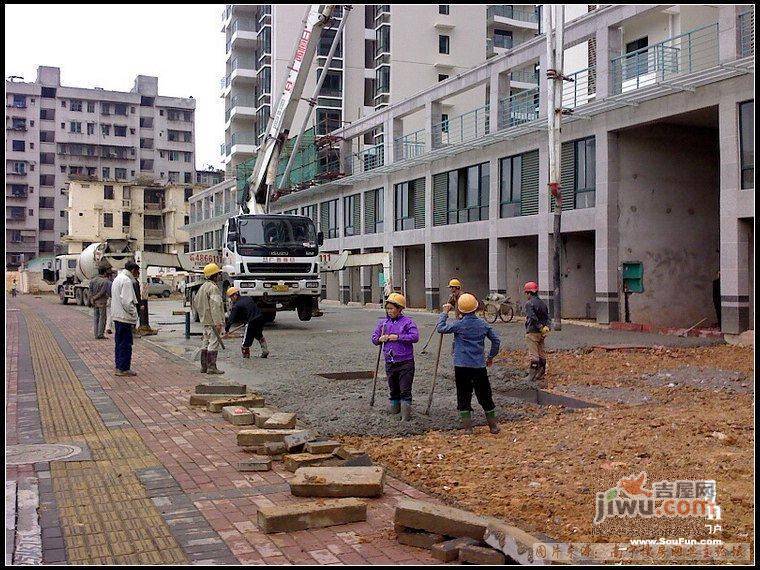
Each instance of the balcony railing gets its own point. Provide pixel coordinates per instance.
(746, 29)
(411, 145)
(153, 205)
(687, 53)
(366, 159)
(154, 233)
(243, 24)
(243, 138)
(513, 13)
(518, 109)
(580, 89)
(224, 82)
(243, 63)
(465, 127)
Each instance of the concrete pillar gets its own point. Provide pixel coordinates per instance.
(607, 237)
(432, 285)
(542, 84)
(344, 285)
(734, 241)
(609, 45)
(365, 281)
(728, 33)
(498, 89)
(393, 129)
(433, 117)
(345, 157)
(497, 264)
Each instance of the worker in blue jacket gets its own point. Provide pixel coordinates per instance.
(470, 362)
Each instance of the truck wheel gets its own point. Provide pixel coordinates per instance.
(304, 312)
(78, 295)
(62, 295)
(166, 294)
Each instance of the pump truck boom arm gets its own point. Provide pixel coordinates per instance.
(254, 198)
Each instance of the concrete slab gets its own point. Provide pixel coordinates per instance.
(318, 447)
(296, 439)
(418, 539)
(249, 401)
(294, 461)
(338, 482)
(237, 415)
(281, 420)
(260, 436)
(313, 514)
(255, 463)
(224, 388)
(441, 519)
(473, 554)
(448, 551)
(515, 543)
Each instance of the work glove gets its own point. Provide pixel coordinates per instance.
(544, 330)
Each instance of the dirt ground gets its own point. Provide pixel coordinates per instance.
(542, 473)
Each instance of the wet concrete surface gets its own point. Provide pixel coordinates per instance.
(339, 343)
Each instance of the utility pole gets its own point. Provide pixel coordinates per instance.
(554, 21)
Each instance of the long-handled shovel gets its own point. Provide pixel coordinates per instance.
(435, 374)
(424, 348)
(377, 369)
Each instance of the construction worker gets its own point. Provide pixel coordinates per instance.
(109, 318)
(210, 308)
(245, 310)
(536, 329)
(455, 287)
(13, 288)
(124, 315)
(397, 333)
(470, 363)
(100, 293)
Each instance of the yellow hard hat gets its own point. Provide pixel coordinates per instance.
(232, 290)
(467, 303)
(397, 299)
(455, 283)
(211, 269)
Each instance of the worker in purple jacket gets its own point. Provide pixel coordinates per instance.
(397, 333)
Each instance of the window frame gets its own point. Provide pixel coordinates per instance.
(444, 43)
(746, 166)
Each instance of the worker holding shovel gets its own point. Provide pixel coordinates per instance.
(470, 362)
(397, 334)
(210, 308)
(245, 310)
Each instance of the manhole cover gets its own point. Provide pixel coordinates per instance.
(353, 375)
(543, 398)
(21, 454)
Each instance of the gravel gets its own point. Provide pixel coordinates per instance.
(339, 342)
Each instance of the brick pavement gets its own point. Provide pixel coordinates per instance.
(161, 486)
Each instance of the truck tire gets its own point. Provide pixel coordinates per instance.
(304, 312)
(166, 294)
(78, 295)
(62, 296)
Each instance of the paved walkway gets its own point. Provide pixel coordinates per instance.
(152, 480)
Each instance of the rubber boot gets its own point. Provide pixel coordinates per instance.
(541, 376)
(493, 427)
(264, 349)
(394, 407)
(246, 350)
(204, 361)
(533, 371)
(465, 419)
(212, 369)
(406, 411)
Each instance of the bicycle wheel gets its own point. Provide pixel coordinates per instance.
(491, 313)
(507, 313)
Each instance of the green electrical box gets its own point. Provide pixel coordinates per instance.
(633, 276)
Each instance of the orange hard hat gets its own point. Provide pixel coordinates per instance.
(467, 303)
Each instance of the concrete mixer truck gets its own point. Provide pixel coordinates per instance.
(72, 273)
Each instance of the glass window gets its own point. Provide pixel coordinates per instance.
(107, 220)
(443, 9)
(747, 143)
(444, 44)
(349, 223)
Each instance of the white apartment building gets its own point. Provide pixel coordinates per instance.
(56, 133)
(657, 176)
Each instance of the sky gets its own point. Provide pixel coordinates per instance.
(101, 45)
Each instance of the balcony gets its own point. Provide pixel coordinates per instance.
(154, 234)
(691, 52)
(15, 214)
(243, 70)
(240, 106)
(527, 76)
(244, 34)
(153, 206)
(15, 192)
(242, 143)
(517, 17)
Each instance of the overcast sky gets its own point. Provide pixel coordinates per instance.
(108, 45)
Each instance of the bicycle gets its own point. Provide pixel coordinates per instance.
(498, 306)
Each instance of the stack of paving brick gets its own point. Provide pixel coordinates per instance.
(216, 395)
(453, 534)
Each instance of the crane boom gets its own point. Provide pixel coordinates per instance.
(255, 196)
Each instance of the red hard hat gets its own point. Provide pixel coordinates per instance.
(531, 287)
